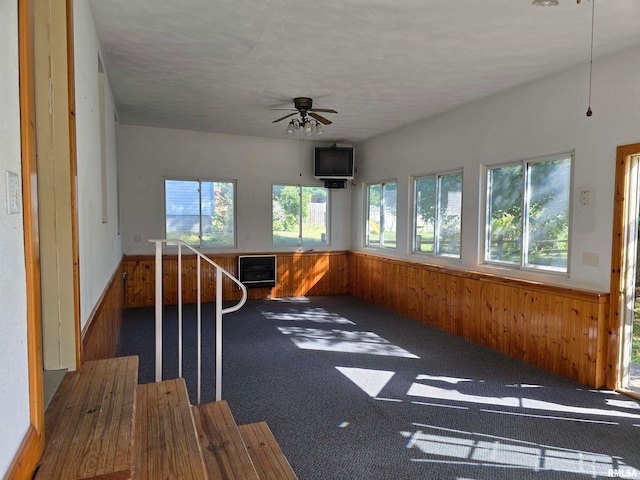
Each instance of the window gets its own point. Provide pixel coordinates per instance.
(437, 214)
(528, 210)
(201, 213)
(299, 215)
(381, 209)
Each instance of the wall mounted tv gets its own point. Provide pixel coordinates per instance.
(333, 163)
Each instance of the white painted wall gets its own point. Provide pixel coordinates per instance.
(544, 117)
(147, 155)
(100, 244)
(14, 394)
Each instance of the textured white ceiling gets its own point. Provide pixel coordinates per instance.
(221, 65)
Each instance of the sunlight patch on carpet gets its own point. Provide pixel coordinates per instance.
(435, 444)
(343, 341)
(433, 392)
(314, 315)
(370, 382)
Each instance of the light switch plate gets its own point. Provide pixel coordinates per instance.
(14, 197)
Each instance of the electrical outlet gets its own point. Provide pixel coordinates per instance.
(590, 259)
(14, 197)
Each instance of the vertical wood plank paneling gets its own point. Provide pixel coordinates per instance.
(308, 273)
(603, 339)
(559, 329)
(469, 302)
(101, 332)
(529, 322)
(412, 294)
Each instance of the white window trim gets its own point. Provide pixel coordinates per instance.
(483, 230)
(327, 219)
(413, 207)
(234, 244)
(366, 214)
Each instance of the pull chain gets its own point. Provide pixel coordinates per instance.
(593, 9)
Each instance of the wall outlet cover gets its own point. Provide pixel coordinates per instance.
(590, 259)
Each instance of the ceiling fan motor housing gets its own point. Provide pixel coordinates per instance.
(302, 103)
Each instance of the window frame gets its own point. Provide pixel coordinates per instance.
(327, 217)
(381, 244)
(436, 228)
(485, 231)
(200, 181)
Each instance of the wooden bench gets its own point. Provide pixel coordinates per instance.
(224, 451)
(265, 452)
(91, 422)
(166, 446)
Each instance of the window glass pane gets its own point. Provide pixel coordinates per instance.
(182, 211)
(388, 222)
(504, 218)
(217, 213)
(286, 214)
(425, 215)
(449, 214)
(548, 185)
(375, 218)
(314, 215)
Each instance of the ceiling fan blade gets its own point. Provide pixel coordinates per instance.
(285, 109)
(286, 116)
(320, 118)
(324, 110)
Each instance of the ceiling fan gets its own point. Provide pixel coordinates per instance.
(304, 108)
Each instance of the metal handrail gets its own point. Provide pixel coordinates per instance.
(219, 312)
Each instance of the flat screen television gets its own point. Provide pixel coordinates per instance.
(333, 163)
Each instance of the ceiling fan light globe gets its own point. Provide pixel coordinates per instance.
(308, 128)
(545, 3)
(290, 128)
(319, 129)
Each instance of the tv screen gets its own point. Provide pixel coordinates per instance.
(333, 163)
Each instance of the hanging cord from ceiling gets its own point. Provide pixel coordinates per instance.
(301, 140)
(593, 9)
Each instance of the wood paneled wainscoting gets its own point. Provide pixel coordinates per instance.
(101, 332)
(562, 330)
(298, 273)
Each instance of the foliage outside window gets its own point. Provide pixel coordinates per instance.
(528, 211)
(201, 213)
(299, 215)
(437, 214)
(381, 209)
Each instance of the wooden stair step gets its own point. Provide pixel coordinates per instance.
(267, 456)
(166, 446)
(224, 451)
(93, 435)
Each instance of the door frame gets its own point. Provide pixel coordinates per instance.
(32, 446)
(619, 264)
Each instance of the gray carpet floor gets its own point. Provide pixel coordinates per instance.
(354, 391)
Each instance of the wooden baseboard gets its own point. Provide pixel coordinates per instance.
(100, 334)
(27, 457)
